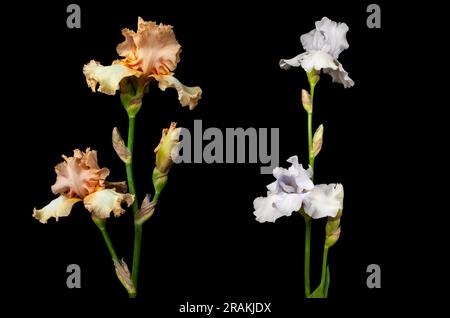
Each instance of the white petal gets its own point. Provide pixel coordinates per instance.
(313, 40)
(334, 33)
(328, 36)
(264, 209)
(324, 200)
(278, 171)
(186, 95)
(274, 187)
(294, 62)
(59, 207)
(293, 160)
(108, 77)
(317, 60)
(288, 202)
(304, 182)
(302, 176)
(102, 202)
(339, 75)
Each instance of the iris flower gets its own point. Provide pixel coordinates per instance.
(151, 53)
(323, 46)
(292, 190)
(79, 178)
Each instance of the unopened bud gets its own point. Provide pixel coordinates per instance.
(332, 226)
(317, 141)
(166, 149)
(159, 181)
(306, 101)
(146, 211)
(331, 239)
(124, 276)
(119, 146)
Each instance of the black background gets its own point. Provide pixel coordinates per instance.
(203, 244)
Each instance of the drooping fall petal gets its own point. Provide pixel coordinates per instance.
(265, 210)
(340, 75)
(107, 77)
(102, 203)
(188, 96)
(59, 207)
(324, 200)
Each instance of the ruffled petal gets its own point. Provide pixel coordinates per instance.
(286, 64)
(153, 49)
(328, 36)
(59, 207)
(265, 210)
(317, 60)
(108, 77)
(288, 202)
(334, 33)
(325, 200)
(186, 95)
(102, 202)
(340, 75)
(79, 175)
(292, 180)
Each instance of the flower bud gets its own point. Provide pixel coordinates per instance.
(317, 141)
(330, 240)
(119, 146)
(332, 226)
(146, 211)
(124, 276)
(159, 182)
(306, 101)
(167, 148)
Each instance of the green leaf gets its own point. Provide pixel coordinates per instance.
(322, 290)
(327, 282)
(318, 293)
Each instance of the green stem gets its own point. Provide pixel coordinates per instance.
(108, 242)
(310, 129)
(132, 189)
(136, 253)
(129, 165)
(307, 255)
(307, 218)
(324, 266)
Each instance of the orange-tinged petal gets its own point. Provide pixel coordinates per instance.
(59, 207)
(153, 49)
(106, 77)
(188, 96)
(102, 203)
(80, 175)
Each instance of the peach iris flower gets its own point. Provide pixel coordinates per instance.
(152, 52)
(79, 178)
